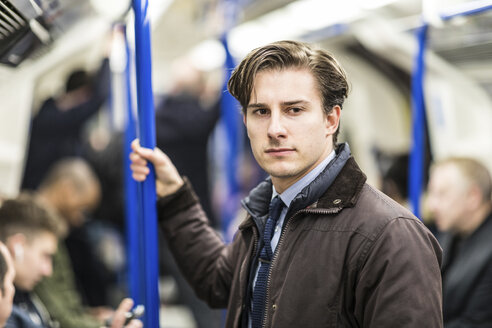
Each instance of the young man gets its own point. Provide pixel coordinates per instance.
(69, 189)
(7, 289)
(460, 201)
(331, 251)
(31, 233)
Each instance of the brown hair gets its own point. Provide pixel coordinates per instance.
(75, 170)
(25, 215)
(473, 171)
(330, 77)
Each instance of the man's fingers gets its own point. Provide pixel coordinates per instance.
(137, 159)
(142, 152)
(145, 153)
(135, 144)
(139, 169)
(119, 315)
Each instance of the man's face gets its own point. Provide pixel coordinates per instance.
(289, 131)
(77, 202)
(7, 294)
(36, 261)
(447, 197)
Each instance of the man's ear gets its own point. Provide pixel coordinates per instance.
(16, 244)
(333, 119)
(244, 119)
(474, 197)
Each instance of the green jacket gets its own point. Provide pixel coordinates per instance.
(60, 296)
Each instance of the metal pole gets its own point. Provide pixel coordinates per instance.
(468, 9)
(417, 152)
(131, 193)
(147, 194)
(231, 120)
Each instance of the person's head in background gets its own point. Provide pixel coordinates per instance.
(395, 180)
(186, 78)
(459, 194)
(78, 89)
(7, 289)
(30, 233)
(72, 188)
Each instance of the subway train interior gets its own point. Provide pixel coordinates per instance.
(420, 76)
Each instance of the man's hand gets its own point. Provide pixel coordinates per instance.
(101, 312)
(168, 178)
(120, 317)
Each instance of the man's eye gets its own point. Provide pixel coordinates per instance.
(295, 109)
(261, 111)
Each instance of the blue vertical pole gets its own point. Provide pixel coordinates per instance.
(231, 118)
(417, 152)
(233, 127)
(131, 194)
(147, 193)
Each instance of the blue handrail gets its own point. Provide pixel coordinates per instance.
(131, 192)
(417, 152)
(148, 243)
(468, 10)
(231, 120)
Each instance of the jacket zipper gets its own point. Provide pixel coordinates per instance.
(280, 242)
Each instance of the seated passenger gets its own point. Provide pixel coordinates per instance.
(70, 189)
(31, 233)
(460, 201)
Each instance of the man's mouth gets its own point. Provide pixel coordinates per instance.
(279, 151)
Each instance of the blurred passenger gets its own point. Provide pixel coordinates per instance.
(7, 289)
(319, 247)
(30, 232)
(459, 197)
(56, 129)
(185, 120)
(107, 163)
(70, 189)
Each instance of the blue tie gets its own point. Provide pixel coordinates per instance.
(266, 255)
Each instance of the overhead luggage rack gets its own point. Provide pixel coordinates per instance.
(19, 35)
(13, 28)
(28, 26)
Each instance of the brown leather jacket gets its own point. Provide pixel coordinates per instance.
(354, 258)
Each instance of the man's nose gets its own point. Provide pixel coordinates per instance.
(276, 127)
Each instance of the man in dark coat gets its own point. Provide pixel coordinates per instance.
(318, 247)
(460, 201)
(56, 129)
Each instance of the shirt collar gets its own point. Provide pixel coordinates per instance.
(290, 193)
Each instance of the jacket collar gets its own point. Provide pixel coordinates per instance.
(345, 190)
(337, 186)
